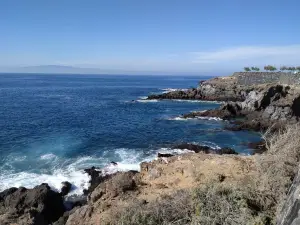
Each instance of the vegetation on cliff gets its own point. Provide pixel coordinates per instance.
(256, 201)
(273, 68)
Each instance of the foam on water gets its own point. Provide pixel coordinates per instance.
(147, 100)
(126, 159)
(49, 156)
(196, 101)
(209, 118)
(78, 179)
(180, 118)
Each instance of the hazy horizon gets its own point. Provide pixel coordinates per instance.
(149, 37)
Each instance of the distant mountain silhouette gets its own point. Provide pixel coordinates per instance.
(62, 69)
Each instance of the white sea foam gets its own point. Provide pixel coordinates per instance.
(209, 118)
(196, 101)
(49, 156)
(147, 100)
(174, 151)
(73, 173)
(78, 179)
(126, 159)
(143, 97)
(180, 118)
(167, 90)
(209, 144)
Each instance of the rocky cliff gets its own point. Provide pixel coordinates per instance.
(260, 106)
(217, 89)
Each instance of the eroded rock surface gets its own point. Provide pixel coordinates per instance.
(158, 178)
(217, 89)
(40, 206)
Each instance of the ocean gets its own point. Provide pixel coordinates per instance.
(54, 126)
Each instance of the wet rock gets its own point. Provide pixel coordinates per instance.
(228, 151)
(39, 205)
(205, 149)
(227, 111)
(113, 163)
(257, 147)
(217, 89)
(193, 147)
(166, 155)
(7, 192)
(96, 178)
(66, 188)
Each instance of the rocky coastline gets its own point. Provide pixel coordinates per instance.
(259, 107)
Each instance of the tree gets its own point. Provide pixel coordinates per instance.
(283, 68)
(266, 68)
(247, 69)
(298, 68)
(270, 68)
(254, 68)
(291, 68)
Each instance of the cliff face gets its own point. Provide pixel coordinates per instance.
(159, 178)
(260, 105)
(290, 213)
(217, 89)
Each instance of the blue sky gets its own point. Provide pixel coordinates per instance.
(168, 36)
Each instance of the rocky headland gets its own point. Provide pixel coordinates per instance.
(256, 107)
(204, 186)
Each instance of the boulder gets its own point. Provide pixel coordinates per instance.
(39, 205)
(119, 182)
(193, 147)
(257, 147)
(96, 178)
(66, 188)
(165, 155)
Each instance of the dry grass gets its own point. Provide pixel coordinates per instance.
(278, 166)
(167, 210)
(220, 203)
(284, 143)
(230, 205)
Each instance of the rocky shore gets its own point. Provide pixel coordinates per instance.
(257, 107)
(188, 188)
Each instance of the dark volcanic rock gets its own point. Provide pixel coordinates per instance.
(193, 147)
(226, 150)
(96, 178)
(258, 147)
(205, 149)
(39, 205)
(296, 107)
(66, 188)
(159, 155)
(217, 89)
(227, 111)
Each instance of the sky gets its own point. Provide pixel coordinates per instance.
(149, 36)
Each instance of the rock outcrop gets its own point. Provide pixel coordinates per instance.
(158, 178)
(40, 206)
(262, 107)
(205, 149)
(217, 89)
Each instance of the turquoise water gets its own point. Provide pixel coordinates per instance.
(53, 126)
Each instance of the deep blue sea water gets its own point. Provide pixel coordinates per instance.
(53, 126)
